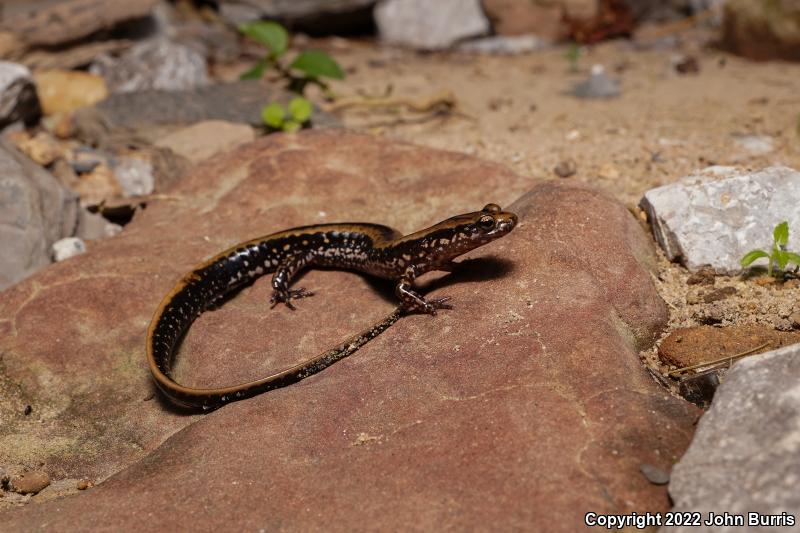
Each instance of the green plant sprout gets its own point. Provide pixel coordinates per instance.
(573, 54)
(779, 255)
(309, 66)
(290, 118)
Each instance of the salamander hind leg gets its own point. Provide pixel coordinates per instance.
(283, 277)
(286, 296)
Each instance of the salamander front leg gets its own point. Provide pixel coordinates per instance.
(413, 302)
(283, 277)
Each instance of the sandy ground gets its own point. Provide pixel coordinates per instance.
(517, 110)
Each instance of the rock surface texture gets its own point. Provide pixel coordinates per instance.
(763, 29)
(746, 454)
(430, 25)
(511, 17)
(522, 408)
(35, 211)
(716, 216)
(48, 23)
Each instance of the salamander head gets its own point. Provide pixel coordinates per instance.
(458, 235)
(471, 230)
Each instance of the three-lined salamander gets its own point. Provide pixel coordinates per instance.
(371, 248)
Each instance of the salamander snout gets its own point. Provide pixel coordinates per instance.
(496, 221)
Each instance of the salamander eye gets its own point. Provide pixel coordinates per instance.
(491, 208)
(486, 222)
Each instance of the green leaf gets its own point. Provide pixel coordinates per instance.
(270, 34)
(781, 258)
(781, 233)
(793, 257)
(751, 256)
(256, 72)
(291, 125)
(273, 115)
(300, 109)
(317, 64)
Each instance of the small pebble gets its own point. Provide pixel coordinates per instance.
(654, 475)
(598, 85)
(795, 319)
(719, 294)
(29, 482)
(67, 247)
(713, 315)
(84, 484)
(791, 283)
(765, 280)
(704, 276)
(85, 166)
(566, 168)
(28, 410)
(686, 64)
(608, 171)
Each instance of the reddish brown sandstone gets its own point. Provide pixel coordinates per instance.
(522, 408)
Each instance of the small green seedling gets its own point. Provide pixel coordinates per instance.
(310, 66)
(290, 118)
(779, 255)
(573, 54)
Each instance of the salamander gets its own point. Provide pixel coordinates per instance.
(371, 248)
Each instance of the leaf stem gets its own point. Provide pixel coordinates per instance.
(717, 361)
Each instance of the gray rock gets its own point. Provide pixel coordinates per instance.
(427, 25)
(18, 99)
(35, 211)
(745, 456)
(654, 475)
(154, 64)
(135, 176)
(234, 102)
(315, 16)
(719, 214)
(597, 85)
(503, 44)
(92, 226)
(67, 247)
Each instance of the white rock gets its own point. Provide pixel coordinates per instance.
(755, 144)
(11, 72)
(67, 247)
(428, 25)
(745, 456)
(504, 44)
(135, 176)
(154, 64)
(716, 216)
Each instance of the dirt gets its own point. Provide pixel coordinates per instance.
(665, 124)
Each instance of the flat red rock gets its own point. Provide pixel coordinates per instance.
(524, 407)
